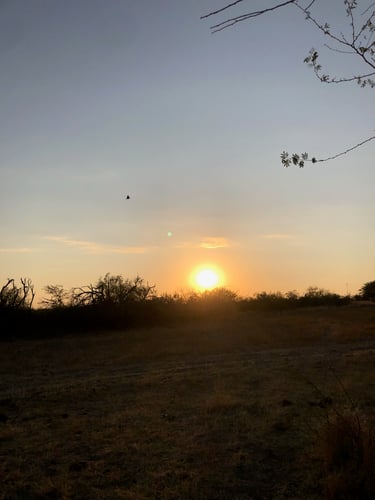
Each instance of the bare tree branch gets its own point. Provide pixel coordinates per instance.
(13, 297)
(230, 22)
(368, 8)
(358, 42)
(348, 150)
(213, 13)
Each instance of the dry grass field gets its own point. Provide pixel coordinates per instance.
(231, 409)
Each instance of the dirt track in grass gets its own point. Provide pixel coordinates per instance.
(228, 409)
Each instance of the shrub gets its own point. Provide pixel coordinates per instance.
(367, 292)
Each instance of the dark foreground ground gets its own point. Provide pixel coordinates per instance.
(229, 409)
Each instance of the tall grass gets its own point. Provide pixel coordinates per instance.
(347, 446)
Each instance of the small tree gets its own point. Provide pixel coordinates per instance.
(112, 290)
(17, 297)
(367, 292)
(58, 297)
(315, 296)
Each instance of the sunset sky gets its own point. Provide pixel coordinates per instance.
(100, 99)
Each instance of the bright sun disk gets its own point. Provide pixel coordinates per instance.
(207, 279)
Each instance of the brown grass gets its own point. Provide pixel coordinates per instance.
(347, 446)
(211, 410)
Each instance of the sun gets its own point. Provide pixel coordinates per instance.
(207, 278)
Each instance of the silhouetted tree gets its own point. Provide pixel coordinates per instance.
(367, 291)
(17, 297)
(58, 297)
(358, 41)
(315, 296)
(112, 290)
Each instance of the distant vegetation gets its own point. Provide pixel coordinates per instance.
(114, 302)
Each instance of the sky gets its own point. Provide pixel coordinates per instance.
(100, 99)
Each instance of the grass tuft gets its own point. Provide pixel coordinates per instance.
(347, 447)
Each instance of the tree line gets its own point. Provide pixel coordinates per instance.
(115, 302)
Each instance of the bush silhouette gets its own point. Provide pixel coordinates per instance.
(367, 292)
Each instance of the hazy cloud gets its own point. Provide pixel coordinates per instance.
(209, 242)
(214, 242)
(16, 250)
(94, 248)
(278, 236)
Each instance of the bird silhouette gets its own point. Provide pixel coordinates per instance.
(127, 197)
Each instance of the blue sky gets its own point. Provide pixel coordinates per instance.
(100, 99)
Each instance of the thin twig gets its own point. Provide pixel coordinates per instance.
(243, 17)
(213, 13)
(368, 8)
(347, 150)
